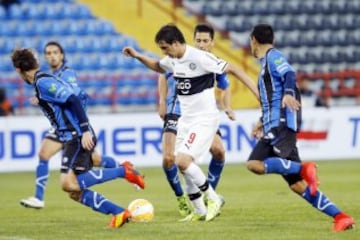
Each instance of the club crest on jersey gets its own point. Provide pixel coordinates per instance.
(192, 66)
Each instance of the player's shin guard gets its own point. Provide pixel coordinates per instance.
(215, 169)
(93, 177)
(42, 175)
(321, 202)
(99, 203)
(281, 166)
(173, 179)
(108, 162)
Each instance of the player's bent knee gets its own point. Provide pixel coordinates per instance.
(69, 186)
(299, 187)
(255, 166)
(168, 160)
(76, 196)
(218, 153)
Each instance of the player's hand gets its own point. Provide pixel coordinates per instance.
(162, 110)
(290, 102)
(129, 51)
(257, 130)
(230, 114)
(87, 141)
(34, 100)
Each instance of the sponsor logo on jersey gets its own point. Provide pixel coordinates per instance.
(192, 66)
(52, 88)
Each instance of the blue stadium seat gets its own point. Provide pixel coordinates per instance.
(3, 14)
(35, 11)
(15, 11)
(6, 64)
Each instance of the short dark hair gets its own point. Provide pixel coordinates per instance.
(169, 33)
(24, 59)
(263, 33)
(204, 28)
(54, 43)
(57, 44)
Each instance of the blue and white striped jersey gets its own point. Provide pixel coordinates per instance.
(274, 66)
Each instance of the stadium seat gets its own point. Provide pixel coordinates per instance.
(3, 14)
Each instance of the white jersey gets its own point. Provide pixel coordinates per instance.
(195, 76)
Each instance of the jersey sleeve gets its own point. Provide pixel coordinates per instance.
(53, 91)
(212, 64)
(222, 81)
(279, 63)
(165, 64)
(69, 76)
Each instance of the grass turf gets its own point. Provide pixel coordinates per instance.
(257, 207)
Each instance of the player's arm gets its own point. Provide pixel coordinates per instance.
(147, 61)
(226, 99)
(73, 103)
(225, 94)
(289, 99)
(162, 88)
(243, 77)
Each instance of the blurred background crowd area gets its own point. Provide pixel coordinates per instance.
(319, 37)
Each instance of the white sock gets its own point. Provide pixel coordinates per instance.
(196, 174)
(191, 188)
(211, 194)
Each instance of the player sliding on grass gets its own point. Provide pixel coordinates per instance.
(61, 104)
(276, 151)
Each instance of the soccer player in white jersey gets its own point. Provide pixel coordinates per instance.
(194, 71)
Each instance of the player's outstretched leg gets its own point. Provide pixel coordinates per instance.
(100, 204)
(282, 166)
(320, 201)
(126, 171)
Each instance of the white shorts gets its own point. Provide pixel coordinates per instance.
(195, 135)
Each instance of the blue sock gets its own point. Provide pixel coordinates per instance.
(99, 203)
(42, 175)
(215, 169)
(321, 202)
(93, 177)
(173, 179)
(281, 166)
(108, 162)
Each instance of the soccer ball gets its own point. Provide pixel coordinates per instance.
(141, 210)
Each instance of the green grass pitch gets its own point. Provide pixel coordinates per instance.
(257, 208)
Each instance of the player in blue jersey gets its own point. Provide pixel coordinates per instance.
(61, 103)
(169, 111)
(55, 56)
(276, 151)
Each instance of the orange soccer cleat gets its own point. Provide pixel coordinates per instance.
(120, 219)
(343, 222)
(308, 173)
(132, 175)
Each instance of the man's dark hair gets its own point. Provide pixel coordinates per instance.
(170, 34)
(58, 45)
(204, 28)
(263, 33)
(24, 59)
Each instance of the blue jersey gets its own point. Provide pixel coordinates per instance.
(52, 93)
(173, 104)
(69, 75)
(274, 66)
